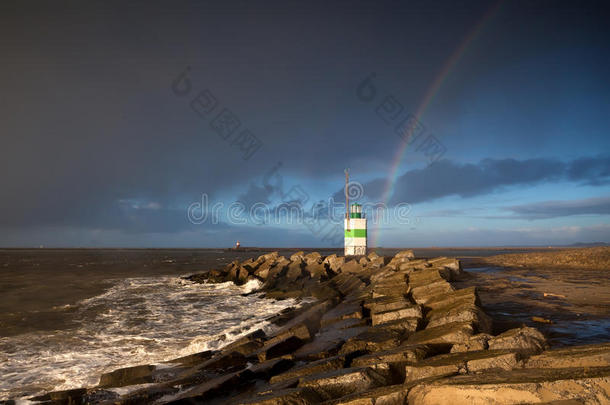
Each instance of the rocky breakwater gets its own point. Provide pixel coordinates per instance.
(381, 331)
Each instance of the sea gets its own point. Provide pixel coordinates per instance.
(67, 316)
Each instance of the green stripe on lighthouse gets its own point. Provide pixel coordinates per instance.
(355, 233)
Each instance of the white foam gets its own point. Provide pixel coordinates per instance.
(137, 321)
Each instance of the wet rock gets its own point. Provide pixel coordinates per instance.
(238, 275)
(292, 396)
(456, 363)
(294, 271)
(194, 358)
(526, 340)
(346, 283)
(596, 355)
(262, 271)
(222, 363)
(372, 340)
(278, 348)
(220, 386)
(300, 331)
(518, 386)
(329, 340)
(344, 310)
(268, 369)
(411, 311)
(72, 396)
(448, 334)
(335, 384)
(128, 376)
(315, 367)
(404, 326)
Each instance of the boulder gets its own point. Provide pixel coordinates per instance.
(407, 254)
(276, 348)
(449, 334)
(298, 256)
(295, 396)
(314, 367)
(268, 369)
(426, 293)
(372, 340)
(388, 395)
(460, 363)
(215, 387)
(391, 363)
(313, 258)
(334, 263)
(518, 386)
(316, 270)
(352, 266)
(463, 296)
(294, 271)
(338, 383)
(595, 355)
(238, 274)
(412, 311)
(329, 340)
(526, 340)
(473, 343)
(460, 313)
(193, 358)
(386, 303)
(342, 311)
(128, 376)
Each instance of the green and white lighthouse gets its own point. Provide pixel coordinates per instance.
(355, 225)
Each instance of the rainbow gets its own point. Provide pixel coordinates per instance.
(432, 91)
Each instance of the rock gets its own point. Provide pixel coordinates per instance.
(526, 340)
(391, 363)
(346, 283)
(270, 368)
(338, 383)
(223, 363)
(449, 334)
(315, 367)
(412, 311)
(386, 303)
(426, 293)
(460, 313)
(352, 266)
(389, 395)
(300, 331)
(238, 275)
(453, 265)
(310, 317)
(262, 271)
(298, 256)
(518, 386)
(408, 254)
(194, 358)
(342, 311)
(334, 263)
(596, 355)
(72, 396)
(464, 296)
(456, 363)
(404, 326)
(292, 396)
(313, 258)
(207, 390)
(295, 270)
(372, 340)
(316, 270)
(329, 340)
(278, 348)
(128, 376)
(473, 343)
(364, 261)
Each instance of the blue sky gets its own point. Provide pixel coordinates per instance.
(99, 149)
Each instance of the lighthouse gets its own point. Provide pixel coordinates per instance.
(355, 225)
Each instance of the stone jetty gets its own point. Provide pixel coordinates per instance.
(380, 331)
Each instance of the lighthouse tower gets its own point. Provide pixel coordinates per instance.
(355, 226)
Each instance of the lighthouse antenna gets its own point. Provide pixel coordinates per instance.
(347, 197)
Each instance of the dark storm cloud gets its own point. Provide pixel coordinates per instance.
(553, 209)
(447, 178)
